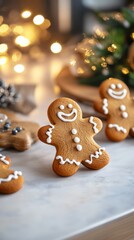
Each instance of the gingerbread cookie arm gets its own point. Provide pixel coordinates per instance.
(45, 134)
(94, 123)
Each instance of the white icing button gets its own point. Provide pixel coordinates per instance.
(119, 85)
(74, 131)
(76, 139)
(61, 107)
(113, 86)
(122, 107)
(124, 115)
(79, 147)
(70, 105)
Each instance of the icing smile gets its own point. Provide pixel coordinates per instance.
(68, 117)
(117, 94)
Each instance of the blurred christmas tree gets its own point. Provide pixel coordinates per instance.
(109, 52)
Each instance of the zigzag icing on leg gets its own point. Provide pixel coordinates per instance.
(118, 128)
(96, 155)
(3, 159)
(11, 176)
(67, 160)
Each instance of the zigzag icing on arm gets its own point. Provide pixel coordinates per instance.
(49, 133)
(11, 176)
(105, 106)
(67, 160)
(91, 120)
(96, 155)
(3, 159)
(118, 128)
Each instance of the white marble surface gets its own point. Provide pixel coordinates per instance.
(52, 208)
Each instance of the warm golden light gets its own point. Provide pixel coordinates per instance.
(3, 47)
(4, 30)
(132, 35)
(16, 56)
(125, 70)
(18, 29)
(1, 19)
(93, 68)
(19, 68)
(22, 41)
(56, 47)
(38, 19)
(3, 60)
(26, 14)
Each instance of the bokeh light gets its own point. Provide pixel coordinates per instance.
(3, 47)
(26, 14)
(22, 41)
(56, 47)
(38, 19)
(3, 60)
(19, 68)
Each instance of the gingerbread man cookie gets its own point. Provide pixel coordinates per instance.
(118, 107)
(17, 134)
(10, 181)
(72, 136)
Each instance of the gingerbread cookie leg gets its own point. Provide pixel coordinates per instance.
(131, 132)
(10, 181)
(98, 159)
(64, 166)
(116, 132)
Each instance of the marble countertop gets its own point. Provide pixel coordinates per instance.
(50, 207)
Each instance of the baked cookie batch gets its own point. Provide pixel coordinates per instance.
(70, 133)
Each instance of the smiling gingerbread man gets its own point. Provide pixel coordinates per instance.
(72, 136)
(118, 107)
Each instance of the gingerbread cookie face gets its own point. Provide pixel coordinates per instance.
(72, 136)
(62, 112)
(117, 105)
(17, 134)
(10, 181)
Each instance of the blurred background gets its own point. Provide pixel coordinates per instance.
(34, 34)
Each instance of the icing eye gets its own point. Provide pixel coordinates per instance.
(70, 105)
(113, 86)
(119, 85)
(61, 107)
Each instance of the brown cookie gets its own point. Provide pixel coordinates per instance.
(10, 181)
(18, 134)
(72, 136)
(117, 105)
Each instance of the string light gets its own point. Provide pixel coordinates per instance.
(26, 14)
(125, 70)
(38, 19)
(56, 47)
(19, 68)
(4, 30)
(3, 47)
(112, 48)
(93, 68)
(22, 41)
(3, 60)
